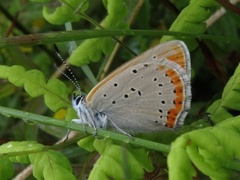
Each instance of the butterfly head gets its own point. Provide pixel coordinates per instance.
(78, 99)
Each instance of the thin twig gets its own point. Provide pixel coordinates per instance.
(218, 14)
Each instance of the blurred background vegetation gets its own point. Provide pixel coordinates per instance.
(213, 62)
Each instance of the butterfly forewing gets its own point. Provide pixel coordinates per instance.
(149, 92)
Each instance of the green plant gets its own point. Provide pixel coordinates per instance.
(206, 148)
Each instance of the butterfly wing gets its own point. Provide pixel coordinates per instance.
(149, 92)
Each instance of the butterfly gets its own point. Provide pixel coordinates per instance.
(149, 93)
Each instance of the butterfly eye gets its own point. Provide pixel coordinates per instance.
(77, 98)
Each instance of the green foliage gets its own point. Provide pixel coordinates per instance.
(51, 165)
(6, 168)
(65, 13)
(47, 164)
(54, 91)
(213, 151)
(221, 109)
(116, 19)
(192, 19)
(42, 1)
(87, 143)
(111, 164)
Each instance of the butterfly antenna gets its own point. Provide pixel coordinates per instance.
(73, 78)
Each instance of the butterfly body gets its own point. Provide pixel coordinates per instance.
(149, 93)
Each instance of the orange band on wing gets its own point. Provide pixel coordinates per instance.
(178, 58)
(178, 102)
(177, 55)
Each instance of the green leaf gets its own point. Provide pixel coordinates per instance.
(102, 144)
(6, 168)
(213, 151)
(15, 150)
(179, 164)
(206, 163)
(140, 155)
(46, 165)
(87, 143)
(42, 1)
(231, 92)
(217, 112)
(220, 109)
(56, 88)
(86, 53)
(12, 74)
(126, 163)
(34, 86)
(192, 19)
(51, 165)
(65, 13)
(92, 49)
(118, 163)
(54, 91)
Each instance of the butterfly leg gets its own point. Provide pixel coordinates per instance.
(78, 121)
(101, 120)
(82, 119)
(122, 131)
(88, 118)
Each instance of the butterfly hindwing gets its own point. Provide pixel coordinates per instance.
(149, 92)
